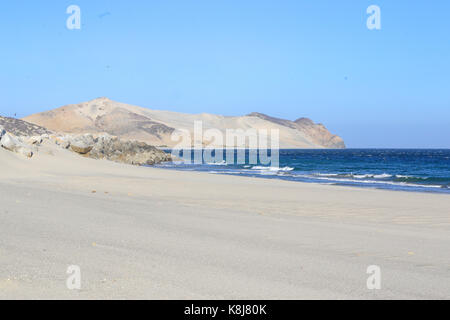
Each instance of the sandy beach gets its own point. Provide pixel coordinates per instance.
(147, 233)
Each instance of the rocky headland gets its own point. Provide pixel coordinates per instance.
(156, 127)
(25, 139)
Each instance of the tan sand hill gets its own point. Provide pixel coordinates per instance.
(156, 126)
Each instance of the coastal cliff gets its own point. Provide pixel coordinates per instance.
(155, 127)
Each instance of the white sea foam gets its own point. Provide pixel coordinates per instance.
(327, 174)
(275, 169)
(399, 176)
(382, 176)
(223, 163)
(362, 176)
(326, 178)
(355, 176)
(340, 180)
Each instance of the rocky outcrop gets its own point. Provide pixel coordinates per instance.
(103, 146)
(112, 148)
(131, 152)
(15, 144)
(21, 128)
(82, 144)
(36, 140)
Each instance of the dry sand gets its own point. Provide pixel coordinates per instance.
(148, 233)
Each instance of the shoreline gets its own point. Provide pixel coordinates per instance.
(150, 233)
(424, 170)
(334, 184)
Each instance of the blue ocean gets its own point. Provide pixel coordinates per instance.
(417, 170)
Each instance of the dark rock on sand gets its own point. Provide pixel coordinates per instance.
(131, 152)
(22, 128)
(112, 148)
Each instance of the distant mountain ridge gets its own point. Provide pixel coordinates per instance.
(156, 126)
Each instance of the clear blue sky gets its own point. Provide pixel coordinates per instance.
(382, 88)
